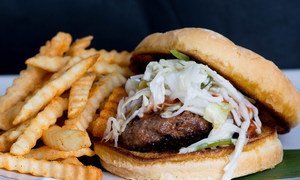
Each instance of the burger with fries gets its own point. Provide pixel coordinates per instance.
(199, 106)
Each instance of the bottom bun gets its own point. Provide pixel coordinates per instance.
(262, 152)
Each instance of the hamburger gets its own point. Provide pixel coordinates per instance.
(199, 107)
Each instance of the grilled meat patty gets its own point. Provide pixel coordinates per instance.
(154, 133)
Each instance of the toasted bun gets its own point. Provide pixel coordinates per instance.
(262, 153)
(248, 71)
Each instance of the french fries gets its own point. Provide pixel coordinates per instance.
(58, 45)
(71, 160)
(66, 139)
(45, 168)
(7, 117)
(98, 94)
(48, 63)
(71, 62)
(54, 88)
(21, 88)
(62, 76)
(102, 68)
(113, 57)
(79, 46)
(10, 136)
(47, 153)
(37, 125)
(87, 53)
(79, 94)
(109, 110)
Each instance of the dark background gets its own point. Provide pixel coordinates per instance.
(268, 27)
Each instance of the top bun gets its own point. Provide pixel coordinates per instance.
(249, 72)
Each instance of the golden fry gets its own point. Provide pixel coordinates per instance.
(45, 168)
(21, 87)
(10, 136)
(48, 63)
(71, 160)
(98, 93)
(102, 68)
(71, 62)
(87, 53)
(41, 122)
(7, 117)
(66, 139)
(53, 88)
(109, 110)
(79, 94)
(114, 57)
(58, 45)
(80, 45)
(47, 153)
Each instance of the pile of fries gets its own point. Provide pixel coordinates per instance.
(65, 90)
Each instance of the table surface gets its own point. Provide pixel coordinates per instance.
(289, 141)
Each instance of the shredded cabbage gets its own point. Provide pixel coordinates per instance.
(174, 86)
(217, 113)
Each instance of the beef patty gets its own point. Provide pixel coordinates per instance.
(154, 133)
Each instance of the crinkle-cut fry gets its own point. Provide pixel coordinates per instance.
(91, 125)
(71, 62)
(45, 168)
(71, 160)
(98, 93)
(53, 88)
(5, 144)
(10, 136)
(7, 117)
(48, 153)
(109, 110)
(48, 63)
(66, 139)
(16, 132)
(21, 87)
(79, 94)
(37, 125)
(57, 46)
(87, 53)
(102, 68)
(79, 45)
(114, 57)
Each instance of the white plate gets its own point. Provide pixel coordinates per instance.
(289, 141)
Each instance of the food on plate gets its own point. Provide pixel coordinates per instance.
(35, 108)
(48, 63)
(57, 46)
(54, 169)
(113, 57)
(98, 93)
(48, 153)
(198, 106)
(20, 88)
(8, 116)
(109, 109)
(54, 88)
(79, 94)
(10, 136)
(66, 139)
(37, 125)
(102, 67)
(71, 160)
(78, 48)
(71, 62)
